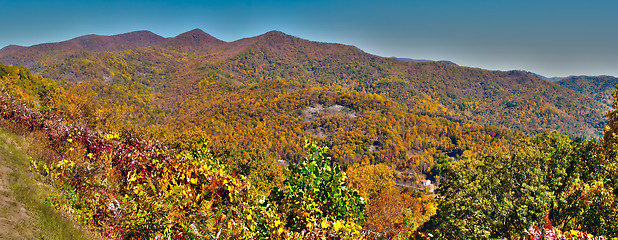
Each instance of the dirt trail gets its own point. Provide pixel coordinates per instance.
(15, 223)
(23, 212)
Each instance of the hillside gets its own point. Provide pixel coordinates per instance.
(168, 68)
(24, 214)
(275, 116)
(203, 192)
(274, 88)
(599, 88)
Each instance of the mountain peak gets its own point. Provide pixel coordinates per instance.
(195, 32)
(197, 35)
(276, 33)
(195, 39)
(276, 39)
(276, 36)
(11, 48)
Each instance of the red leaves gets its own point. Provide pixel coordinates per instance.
(548, 232)
(537, 233)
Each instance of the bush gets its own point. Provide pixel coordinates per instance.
(314, 201)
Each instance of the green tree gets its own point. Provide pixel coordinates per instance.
(600, 209)
(315, 199)
(499, 195)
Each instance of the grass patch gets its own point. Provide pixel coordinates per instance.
(26, 188)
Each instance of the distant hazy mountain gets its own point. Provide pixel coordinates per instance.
(555, 79)
(422, 60)
(167, 67)
(551, 79)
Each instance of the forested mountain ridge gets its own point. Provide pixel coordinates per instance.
(597, 87)
(515, 100)
(37, 56)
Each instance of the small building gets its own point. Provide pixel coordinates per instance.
(426, 182)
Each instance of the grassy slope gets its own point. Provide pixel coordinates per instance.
(23, 212)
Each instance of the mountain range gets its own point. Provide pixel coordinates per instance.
(283, 88)
(130, 129)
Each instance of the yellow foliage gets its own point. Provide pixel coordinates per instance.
(370, 180)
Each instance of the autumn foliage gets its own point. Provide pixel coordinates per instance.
(309, 141)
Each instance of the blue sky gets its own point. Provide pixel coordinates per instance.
(552, 38)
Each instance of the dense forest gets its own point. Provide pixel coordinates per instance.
(280, 137)
(600, 87)
(153, 76)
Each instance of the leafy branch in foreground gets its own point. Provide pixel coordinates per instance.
(314, 201)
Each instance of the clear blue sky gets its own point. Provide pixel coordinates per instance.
(552, 38)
